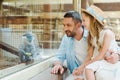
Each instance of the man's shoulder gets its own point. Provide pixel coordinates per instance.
(67, 40)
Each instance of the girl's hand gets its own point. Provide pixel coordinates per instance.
(78, 71)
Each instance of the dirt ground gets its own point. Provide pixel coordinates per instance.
(6, 62)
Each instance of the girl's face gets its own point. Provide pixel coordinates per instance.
(85, 21)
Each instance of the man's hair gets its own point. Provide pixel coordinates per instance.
(74, 15)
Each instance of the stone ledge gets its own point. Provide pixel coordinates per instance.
(30, 72)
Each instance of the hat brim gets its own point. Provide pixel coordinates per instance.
(83, 10)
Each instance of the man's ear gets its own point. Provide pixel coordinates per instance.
(79, 24)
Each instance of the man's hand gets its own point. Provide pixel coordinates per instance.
(57, 68)
(113, 58)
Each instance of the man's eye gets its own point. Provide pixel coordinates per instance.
(68, 25)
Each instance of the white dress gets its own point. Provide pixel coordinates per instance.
(112, 70)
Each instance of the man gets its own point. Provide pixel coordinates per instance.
(73, 47)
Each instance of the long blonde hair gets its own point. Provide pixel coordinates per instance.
(95, 28)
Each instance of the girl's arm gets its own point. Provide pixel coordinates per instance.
(80, 69)
(105, 46)
(88, 58)
(108, 37)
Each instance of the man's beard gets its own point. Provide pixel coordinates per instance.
(69, 33)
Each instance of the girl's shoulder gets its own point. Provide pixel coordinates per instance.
(108, 32)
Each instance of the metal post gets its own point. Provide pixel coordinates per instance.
(77, 5)
(84, 4)
(1, 8)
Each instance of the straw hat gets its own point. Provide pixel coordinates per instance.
(96, 12)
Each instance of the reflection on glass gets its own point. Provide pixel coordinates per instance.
(43, 19)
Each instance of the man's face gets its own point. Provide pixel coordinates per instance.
(69, 27)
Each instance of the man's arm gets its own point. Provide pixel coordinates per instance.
(113, 58)
(58, 67)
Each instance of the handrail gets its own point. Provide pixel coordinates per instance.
(9, 48)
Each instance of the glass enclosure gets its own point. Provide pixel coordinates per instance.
(41, 18)
(114, 24)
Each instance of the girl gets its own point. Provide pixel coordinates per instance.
(100, 41)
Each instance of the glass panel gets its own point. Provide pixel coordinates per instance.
(37, 23)
(114, 24)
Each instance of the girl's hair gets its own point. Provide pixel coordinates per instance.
(95, 28)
